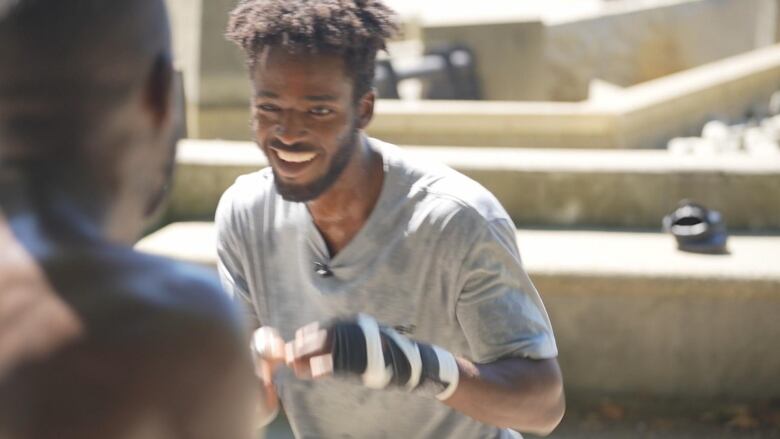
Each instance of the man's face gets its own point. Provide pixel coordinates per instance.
(305, 120)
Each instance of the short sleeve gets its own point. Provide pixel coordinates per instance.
(229, 260)
(499, 309)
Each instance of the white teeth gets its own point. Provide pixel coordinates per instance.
(296, 157)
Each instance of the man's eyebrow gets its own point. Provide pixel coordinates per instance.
(321, 98)
(266, 94)
(314, 98)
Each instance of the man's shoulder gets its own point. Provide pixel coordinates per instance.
(443, 191)
(153, 331)
(248, 190)
(182, 288)
(466, 197)
(113, 281)
(186, 301)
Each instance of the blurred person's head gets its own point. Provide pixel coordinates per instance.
(86, 103)
(96, 340)
(311, 64)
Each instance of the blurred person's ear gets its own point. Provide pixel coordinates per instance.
(159, 92)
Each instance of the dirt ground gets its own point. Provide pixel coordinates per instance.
(628, 418)
(620, 418)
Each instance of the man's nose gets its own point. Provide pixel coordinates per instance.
(291, 128)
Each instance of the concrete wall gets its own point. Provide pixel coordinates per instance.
(185, 18)
(483, 123)
(214, 73)
(643, 116)
(653, 323)
(224, 80)
(633, 46)
(626, 189)
(678, 105)
(651, 335)
(509, 56)
(529, 59)
(523, 60)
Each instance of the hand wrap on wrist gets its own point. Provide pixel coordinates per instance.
(383, 357)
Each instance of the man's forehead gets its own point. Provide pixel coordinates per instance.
(274, 57)
(316, 74)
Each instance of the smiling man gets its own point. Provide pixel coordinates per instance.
(425, 324)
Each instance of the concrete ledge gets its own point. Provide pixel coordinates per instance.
(542, 187)
(486, 123)
(194, 242)
(643, 116)
(646, 115)
(631, 313)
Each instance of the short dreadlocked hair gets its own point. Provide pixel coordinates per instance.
(354, 29)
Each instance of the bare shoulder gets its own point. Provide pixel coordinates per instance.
(110, 284)
(159, 338)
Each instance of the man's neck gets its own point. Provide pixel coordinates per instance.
(343, 210)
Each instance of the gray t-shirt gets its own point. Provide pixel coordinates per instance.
(437, 259)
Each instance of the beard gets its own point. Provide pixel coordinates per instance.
(301, 193)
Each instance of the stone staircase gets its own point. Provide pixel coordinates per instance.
(632, 313)
(592, 188)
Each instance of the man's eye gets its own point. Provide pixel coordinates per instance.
(268, 107)
(321, 111)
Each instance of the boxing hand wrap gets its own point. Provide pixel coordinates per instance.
(382, 358)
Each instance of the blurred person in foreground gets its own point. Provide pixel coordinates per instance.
(96, 340)
(425, 324)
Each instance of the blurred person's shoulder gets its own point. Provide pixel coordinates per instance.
(109, 285)
(160, 339)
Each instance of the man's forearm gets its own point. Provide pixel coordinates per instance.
(521, 394)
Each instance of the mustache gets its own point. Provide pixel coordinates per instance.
(295, 147)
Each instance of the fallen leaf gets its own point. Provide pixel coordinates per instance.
(743, 421)
(612, 411)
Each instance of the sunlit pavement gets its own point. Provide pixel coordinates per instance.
(622, 419)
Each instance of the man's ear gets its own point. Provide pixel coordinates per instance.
(366, 108)
(159, 91)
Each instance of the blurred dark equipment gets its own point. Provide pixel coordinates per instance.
(447, 71)
(697, 229)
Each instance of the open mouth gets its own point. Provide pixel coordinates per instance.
(295, 157)
(293, 164)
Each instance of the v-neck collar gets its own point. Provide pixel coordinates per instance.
(350, 253)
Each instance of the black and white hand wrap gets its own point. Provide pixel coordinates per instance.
(382, 358)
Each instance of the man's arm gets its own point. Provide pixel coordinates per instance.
(514, 381)
(517, 393)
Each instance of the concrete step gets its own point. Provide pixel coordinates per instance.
(631, 313)
(597, 188)
(641, 116)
